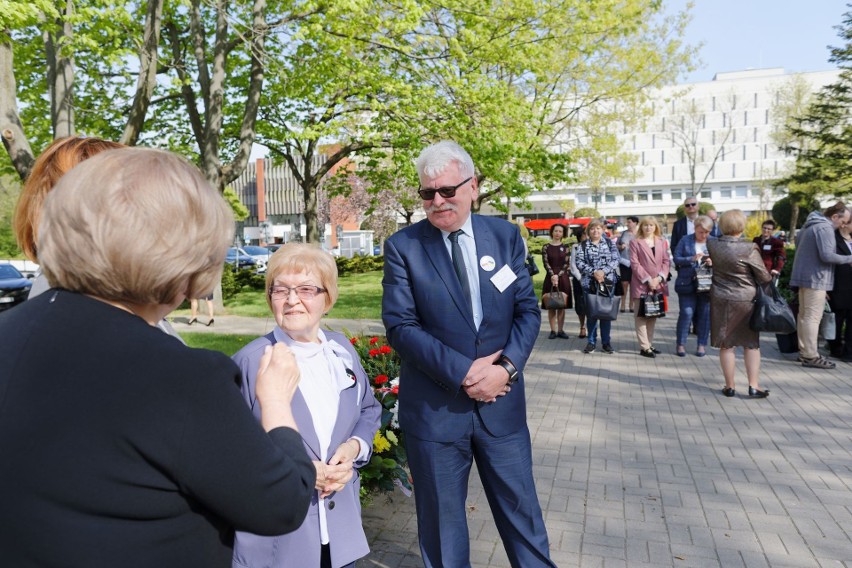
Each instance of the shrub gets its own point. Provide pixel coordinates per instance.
(587, 212)
(359, 264)
(782, 210)
(387, 467)
(703, 208)
(229, 283)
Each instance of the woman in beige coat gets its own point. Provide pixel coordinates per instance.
(737, 271)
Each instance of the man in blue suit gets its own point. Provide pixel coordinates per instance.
(459, 307)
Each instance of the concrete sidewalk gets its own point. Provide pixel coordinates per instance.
(643, 463)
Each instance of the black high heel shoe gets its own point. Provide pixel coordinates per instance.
(756, 393)
(209, 323)
(192, 321)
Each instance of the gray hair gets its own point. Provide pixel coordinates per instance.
(704, 222)
(434, 159)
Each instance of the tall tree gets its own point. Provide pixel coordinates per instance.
(791, 102)
(821, 139)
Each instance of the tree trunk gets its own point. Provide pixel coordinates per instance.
(14, 139)
(147, 73)
(309, 193)
(794, 220)
(60, 74)
(257, 47)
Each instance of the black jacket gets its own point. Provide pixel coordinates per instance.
(123, 447)
(841, 295)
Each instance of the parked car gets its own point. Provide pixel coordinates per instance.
(273, 248)
(14, 288)
(259, 254)
(240, 259)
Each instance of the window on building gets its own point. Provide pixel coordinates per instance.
(766, 118)
(662, 156)
(745, 118)
(725, 192)
(741, 191)
(706, 194)
(582, 198)
(642, 195)
(713, 104)
(653, 140)
(657, 195)
(676, 195)
(643, 157)
(609, 198)
(744, 152)
(629, 197)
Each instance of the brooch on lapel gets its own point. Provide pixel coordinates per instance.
(487, 263)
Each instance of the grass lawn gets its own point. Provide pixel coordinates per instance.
(360, 298)
(226, 343)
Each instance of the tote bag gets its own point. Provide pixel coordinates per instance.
(652, 305)
(601, 302)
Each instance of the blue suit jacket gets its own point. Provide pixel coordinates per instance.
(430, 325)
(358, 415)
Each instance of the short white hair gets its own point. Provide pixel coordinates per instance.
(434, 159)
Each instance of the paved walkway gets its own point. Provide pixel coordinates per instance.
(643, 463)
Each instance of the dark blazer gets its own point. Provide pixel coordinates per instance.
(678, 232)
(123, 447)
(841, 295)
(358, 415)
(430, 325)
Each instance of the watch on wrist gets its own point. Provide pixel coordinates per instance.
(510, 368)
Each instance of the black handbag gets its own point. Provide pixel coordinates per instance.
(532, 268)
(771, 312)
(652, 305)
(601, 302)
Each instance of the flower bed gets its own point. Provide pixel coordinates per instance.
(387, 467)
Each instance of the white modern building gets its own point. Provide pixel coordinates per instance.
(722, 128)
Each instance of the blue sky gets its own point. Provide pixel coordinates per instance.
(742, 34)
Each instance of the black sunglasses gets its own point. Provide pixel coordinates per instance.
(690, 204)
(446, 192)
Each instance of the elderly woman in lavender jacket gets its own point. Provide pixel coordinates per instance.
(335, 409)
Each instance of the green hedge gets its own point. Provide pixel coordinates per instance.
(359, 264)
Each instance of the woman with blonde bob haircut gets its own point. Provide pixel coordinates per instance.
(335, 410)
(146, 454)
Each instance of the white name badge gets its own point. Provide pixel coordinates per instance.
(767, 247)
(503, 278)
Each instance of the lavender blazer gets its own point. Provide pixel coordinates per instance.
(358, 415)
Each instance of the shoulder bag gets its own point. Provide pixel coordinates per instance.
(652, 305)
(771, 312)
(532, 267)
(601, 302)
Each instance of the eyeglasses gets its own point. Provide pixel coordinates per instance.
(446, 192)
(690, 204)
(304, 292)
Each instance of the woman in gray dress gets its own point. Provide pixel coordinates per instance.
(737, 271)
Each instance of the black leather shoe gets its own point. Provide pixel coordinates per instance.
(552, 335)
(728, 391)
(192, 321)
(647, 353)
(562, 335)
(589, 348)
(607, 348)
(655, 350)
(756, 393)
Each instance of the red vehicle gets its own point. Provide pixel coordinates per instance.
(541, 227)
